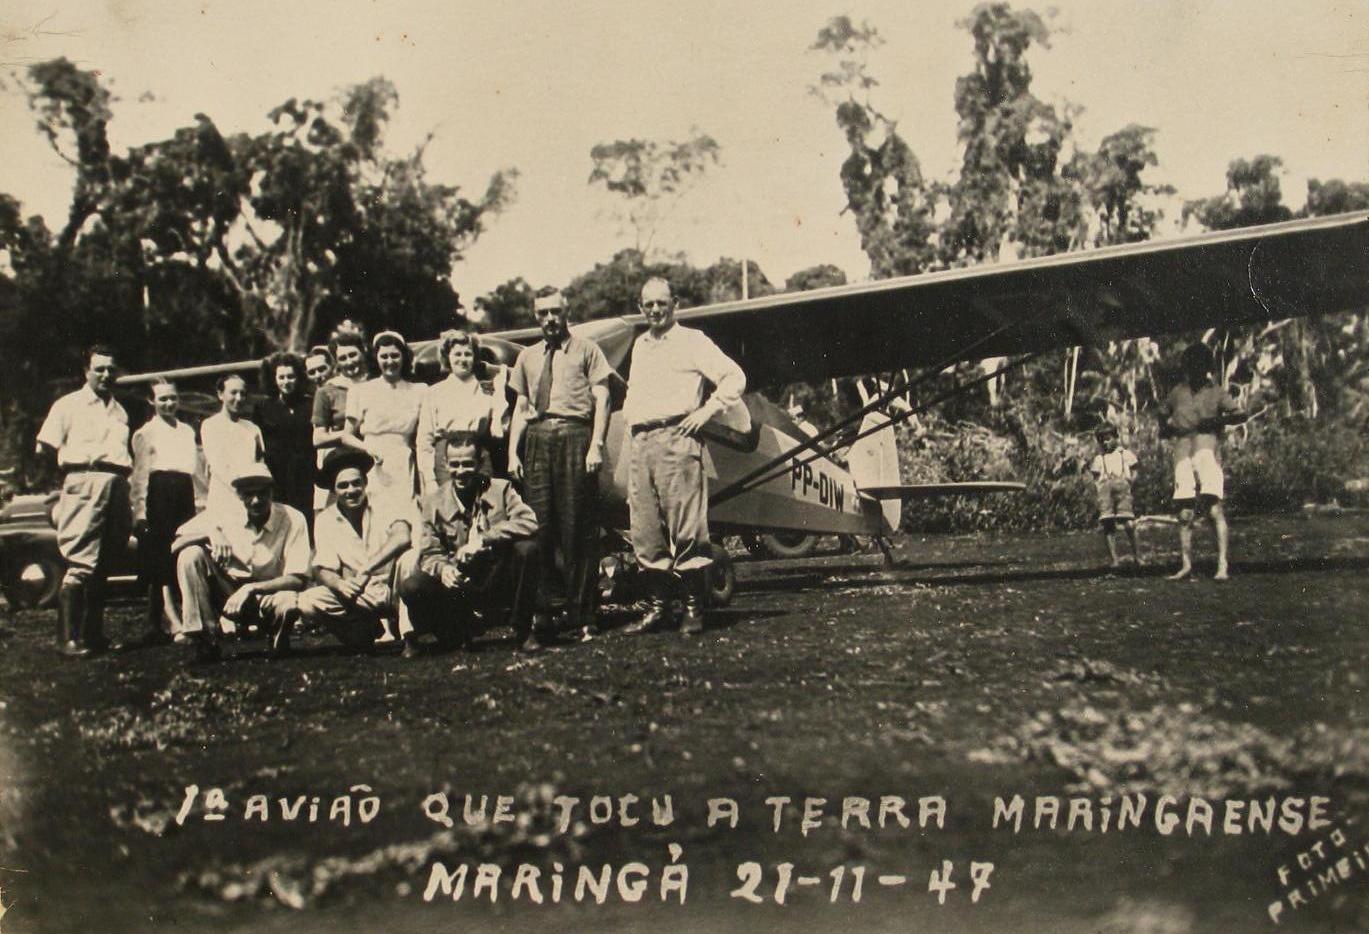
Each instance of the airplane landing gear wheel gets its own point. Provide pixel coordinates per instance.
(721, 577)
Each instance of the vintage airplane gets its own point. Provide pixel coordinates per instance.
(769, 476)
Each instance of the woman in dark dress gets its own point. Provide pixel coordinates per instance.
(284, 419)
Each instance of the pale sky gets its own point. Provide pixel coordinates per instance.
(535, 85)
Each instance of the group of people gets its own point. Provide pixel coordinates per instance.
(386, 508)
(1192, 417)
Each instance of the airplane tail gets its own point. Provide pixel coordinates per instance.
(873, 461)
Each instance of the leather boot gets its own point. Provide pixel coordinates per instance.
(659, 611)
(71, 611)
(695, 599)
(93, 632)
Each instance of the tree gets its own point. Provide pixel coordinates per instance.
(508, 307)
(815, 277)
(1011, 189)
(651, 176)
(279, 234)
(1116, 190)
(882, 178)
(1335, 197)
(1252, 196)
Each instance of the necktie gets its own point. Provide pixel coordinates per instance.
(544, 383)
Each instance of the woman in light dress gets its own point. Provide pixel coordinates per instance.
(382, 420)
(461, 402)
(230, 442)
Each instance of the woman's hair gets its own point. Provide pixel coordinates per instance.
(452, 338)
(392, 339)
(227, 378)
(277, 360)
(348, 334)
(321, 350)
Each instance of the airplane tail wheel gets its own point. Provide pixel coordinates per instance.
(721, 577)
(753, 544)
(789, 544)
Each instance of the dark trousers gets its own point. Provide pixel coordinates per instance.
(565, 498)
(170, 503)
(449, 614)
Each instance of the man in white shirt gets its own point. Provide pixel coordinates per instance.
(247, 564)
(356, 547)
(87, 430)
(667, 487)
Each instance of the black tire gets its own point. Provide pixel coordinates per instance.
(31, 580)
(721, 577)
(788, 544)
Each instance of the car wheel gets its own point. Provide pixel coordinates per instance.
(721, 577)
(31, 580)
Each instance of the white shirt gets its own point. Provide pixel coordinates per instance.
(229, 446)
(160, 446)
(1115, 465)
(669, 372)
(338, 547)
(85, 429)
(279, 547)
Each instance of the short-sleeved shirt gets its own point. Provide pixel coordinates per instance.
(577, 367)
(281, 546)
(669, 372)
(1114, 465)
(338, 547)
(1188, 409)
(384, 408)
(85, 429)
(330, 403)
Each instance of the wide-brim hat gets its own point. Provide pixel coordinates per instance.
(340, 459)
(253, 476)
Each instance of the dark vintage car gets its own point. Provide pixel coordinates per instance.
(30, 566)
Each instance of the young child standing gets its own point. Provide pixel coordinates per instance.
(1112, 471)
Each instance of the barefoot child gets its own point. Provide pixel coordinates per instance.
(1193, 415)
(1112, 471)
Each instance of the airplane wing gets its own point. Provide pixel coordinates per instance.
(1227, 278)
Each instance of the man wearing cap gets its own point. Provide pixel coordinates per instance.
(356, 547)
(87, 430)
(667, 486)
(473, 552)
(247, 565)
(561, 415)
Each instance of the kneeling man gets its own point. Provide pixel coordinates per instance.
(473, 552)
(246, 565)
(357, 548)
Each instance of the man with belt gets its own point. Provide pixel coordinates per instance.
(667, 487)
(88, 431)
(246, 564)
(562, 384)
(357, 548)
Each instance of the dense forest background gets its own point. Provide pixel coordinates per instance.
(206, 247)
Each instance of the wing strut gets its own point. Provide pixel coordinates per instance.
(769, 472)
(746, 482)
